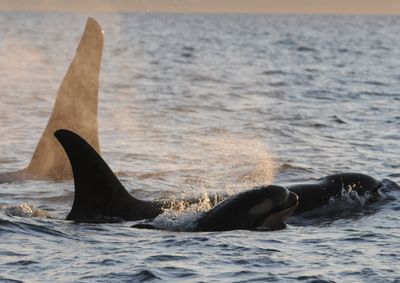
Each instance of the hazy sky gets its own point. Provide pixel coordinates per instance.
(211, 6)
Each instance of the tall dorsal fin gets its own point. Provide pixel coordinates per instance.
(98, 192)
(75, 108)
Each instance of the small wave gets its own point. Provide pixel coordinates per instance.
(322, 94)
(15, 227)
(203, 78)
(187, 55)
(166, 258)
(10, 253)
(179, 272)
(313, 279)
(278, 84)
(142, 276)
(338, 120)
(217, 130)
(146, 275)
(316, 125)
(343, 50)
(375, 83)
(106, 262)
(312, 70)
(287, 166)
(7, 160)
(286, 42)
(188, 52)
(22, 262)
(362, 238)
(8, 280)
(273, 72)
(393, 175)
(183, 109)
(306, 49)
(188, 48)
(154, 175)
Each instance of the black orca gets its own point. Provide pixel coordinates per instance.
(100, 197)
(318, 193)
(75, 108)
(261, 208)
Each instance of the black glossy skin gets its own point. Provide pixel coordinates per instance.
(318, 193)
(234, 213)
(99, 195)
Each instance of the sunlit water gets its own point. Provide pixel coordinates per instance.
(195, 104)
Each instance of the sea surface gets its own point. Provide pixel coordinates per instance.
(191, 105)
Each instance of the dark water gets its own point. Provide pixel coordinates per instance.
(195, 104)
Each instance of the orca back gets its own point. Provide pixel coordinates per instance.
(99, 195)
(318, 193)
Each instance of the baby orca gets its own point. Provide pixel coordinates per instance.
(261, 208)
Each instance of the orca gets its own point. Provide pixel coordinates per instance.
(261, 208)
(318, 193)
(75, 108)
(266, 207)
(100, 197)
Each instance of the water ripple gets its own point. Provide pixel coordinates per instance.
(193, 104)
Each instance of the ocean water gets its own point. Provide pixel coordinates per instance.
(196, 104)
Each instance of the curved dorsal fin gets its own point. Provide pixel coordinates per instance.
(99, 195)
(75, 108)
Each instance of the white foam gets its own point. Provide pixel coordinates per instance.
(26, 211)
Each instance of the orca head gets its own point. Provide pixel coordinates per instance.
(261, 208)
(271, 206)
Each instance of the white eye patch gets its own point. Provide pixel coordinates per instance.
(262, 207)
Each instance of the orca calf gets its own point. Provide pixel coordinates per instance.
(100, 197)
(317, 194)
(75, 108)
(262, 208)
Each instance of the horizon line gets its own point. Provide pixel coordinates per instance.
(289, 7)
